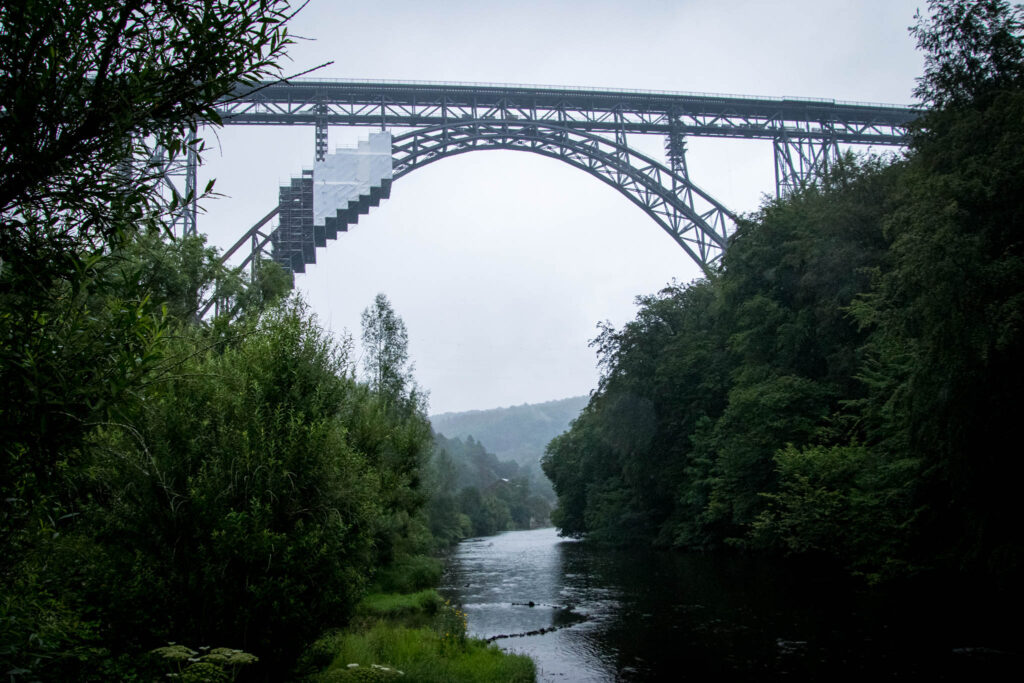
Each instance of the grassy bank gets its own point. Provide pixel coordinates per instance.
(410, 637)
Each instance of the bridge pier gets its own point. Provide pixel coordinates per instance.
(800, 160)
(178, 181)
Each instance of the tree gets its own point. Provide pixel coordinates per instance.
(90, 88)
(87, 89)
(971, 47)
(947, 344)
(386, 350)
(848, 384)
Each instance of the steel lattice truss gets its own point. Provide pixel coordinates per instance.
(399, 105)
(693, 218)
(587, 129)
(178, 185)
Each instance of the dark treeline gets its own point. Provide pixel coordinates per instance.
(242, 489)
(848, 385)
(476, 494)
(230, 483)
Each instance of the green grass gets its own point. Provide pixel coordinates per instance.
(408, 609)
(420, 635)
(421, 654)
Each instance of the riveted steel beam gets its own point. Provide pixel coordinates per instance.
(694, 219)
(364, 103)
(586, 128)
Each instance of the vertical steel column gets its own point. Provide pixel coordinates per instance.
(675, 149)
(321, 132)
(254, 263)
(621, 141)
(620, 130)
(180, 182)
(801, 160)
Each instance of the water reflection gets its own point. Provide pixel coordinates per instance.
(613, 615)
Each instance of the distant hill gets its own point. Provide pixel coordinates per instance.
(517, 433)
(477, 494)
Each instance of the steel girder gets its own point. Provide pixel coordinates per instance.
(694, 219)
(408, 105)
(178, 184)
(801, 160)
(805, 133)
(452, 118)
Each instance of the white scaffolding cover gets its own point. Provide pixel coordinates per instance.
(350, 172)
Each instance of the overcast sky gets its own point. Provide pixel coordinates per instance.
(502, 263)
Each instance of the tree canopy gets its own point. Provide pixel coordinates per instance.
(385, 349)
(91, 88)
(225, 482)
(846, 386)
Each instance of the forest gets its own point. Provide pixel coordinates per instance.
(846, 387)
(518, 433)
(517, 436)
(200, 498)
(226, 498)
(476, 494)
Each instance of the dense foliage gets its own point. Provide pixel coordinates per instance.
(226, 483)
(846, 386)
(90, 89)
(241, 491)
(473, 493)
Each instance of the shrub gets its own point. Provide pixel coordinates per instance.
(409, 574)
(234, 509)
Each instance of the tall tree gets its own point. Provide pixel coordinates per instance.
(971, 47)
(947, 337)
(386, 349)
(87, 88)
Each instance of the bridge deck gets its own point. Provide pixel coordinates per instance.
(419, 104)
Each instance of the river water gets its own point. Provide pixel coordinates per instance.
(614, 615)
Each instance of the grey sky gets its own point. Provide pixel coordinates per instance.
(501, 263)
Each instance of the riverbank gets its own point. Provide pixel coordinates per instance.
(412, 636)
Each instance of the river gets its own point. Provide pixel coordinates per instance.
(598, 614)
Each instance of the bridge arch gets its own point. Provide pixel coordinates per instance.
(584, 127)
(695, 220)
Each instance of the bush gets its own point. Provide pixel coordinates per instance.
(235, 509)
(846, 502)
(409, 574)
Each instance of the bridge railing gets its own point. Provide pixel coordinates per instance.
(594, 89)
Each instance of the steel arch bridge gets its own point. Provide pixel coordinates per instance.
(587, 128)
(701, 232)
